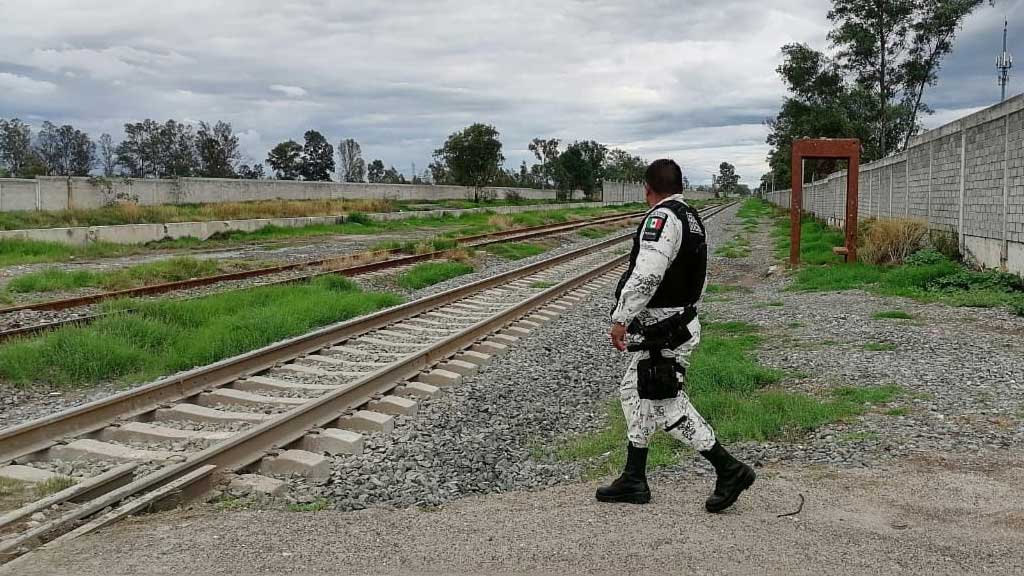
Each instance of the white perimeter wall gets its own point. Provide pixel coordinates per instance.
(965, 178)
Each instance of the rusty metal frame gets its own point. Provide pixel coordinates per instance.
(842, 149)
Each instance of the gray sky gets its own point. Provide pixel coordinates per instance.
(689, 80)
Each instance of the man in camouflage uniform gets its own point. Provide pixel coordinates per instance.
(665, 279)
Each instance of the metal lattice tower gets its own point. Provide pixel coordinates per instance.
(1003, 64)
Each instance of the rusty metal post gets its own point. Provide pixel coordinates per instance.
(852, 205)
(795, 206)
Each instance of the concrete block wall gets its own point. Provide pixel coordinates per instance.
(143, 233)
(965, 178)
(618, 191)
(58, 193)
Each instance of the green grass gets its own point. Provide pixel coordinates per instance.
(594, 232)
(753, 210)
(515, 250)
(417, 246)
(879, 347)
(663, 450)
(54, 485)
(892, 315)
(898, 411)
(927, 276)
(723, 288)
(543, 284)
(869, 394)
(737, 247)
(732, 391)
(430, 273)
(9, 487)
(170, 270)
(165, 336)
(15, 252)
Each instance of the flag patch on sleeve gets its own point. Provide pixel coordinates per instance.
(653, 227)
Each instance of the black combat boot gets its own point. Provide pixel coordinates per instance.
(733, 477)
(631, 486)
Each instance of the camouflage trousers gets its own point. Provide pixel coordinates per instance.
(676, 416)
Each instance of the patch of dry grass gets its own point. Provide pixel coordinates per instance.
(892, 240)
(501, 222)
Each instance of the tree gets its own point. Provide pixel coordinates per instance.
(65, 151)
(107, 155)
(581, 167)
(727, 178)
(138, 154)
(217, 149)
(317, 158)
(933, 33)
(546, 151)
(393, 176)
(893, 48)
(375, 172)
(154, 150)
(623, 166)
(177, 145)
(353, 167)
(871, 36)
(472, 157)
(16, 154)
(285, 160)
(254, 172)
(820, 105)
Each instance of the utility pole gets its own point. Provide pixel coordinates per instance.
(1003, 64)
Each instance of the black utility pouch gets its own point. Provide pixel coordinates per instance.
(657, 379)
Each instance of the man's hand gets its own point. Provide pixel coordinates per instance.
(618, 334)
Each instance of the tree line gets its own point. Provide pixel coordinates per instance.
(469, 157)
(885, 53)
(171, 149)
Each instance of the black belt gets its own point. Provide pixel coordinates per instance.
(666, 334)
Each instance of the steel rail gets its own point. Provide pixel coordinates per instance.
(40, 434)
(475, 240)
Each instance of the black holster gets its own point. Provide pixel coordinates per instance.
(659, 378)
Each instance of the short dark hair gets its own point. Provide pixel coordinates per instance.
(664, 177)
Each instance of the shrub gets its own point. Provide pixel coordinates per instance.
(946, 243)
(358, 218)
(891, 241)
(964, 279)
(926, 257)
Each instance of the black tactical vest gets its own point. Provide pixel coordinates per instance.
(683, 283)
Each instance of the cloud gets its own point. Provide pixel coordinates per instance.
(24, 85)
(290, 91)
(657, 77)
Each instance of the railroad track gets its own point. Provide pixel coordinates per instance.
(353, 265)
(278, 410)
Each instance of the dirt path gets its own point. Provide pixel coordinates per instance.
(919, 517)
